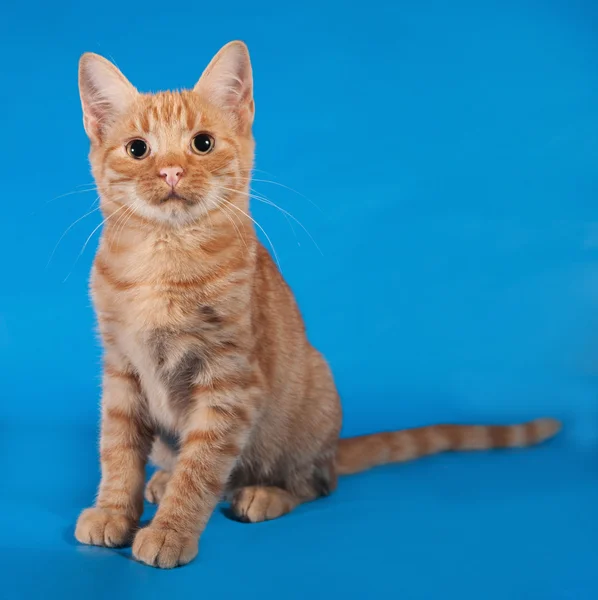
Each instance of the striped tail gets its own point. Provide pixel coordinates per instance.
(361, 453)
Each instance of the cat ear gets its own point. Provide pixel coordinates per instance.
(105, 94)
(227, 82)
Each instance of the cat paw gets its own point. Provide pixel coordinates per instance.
(163, 548)
(98, 527)
(156, 486)
(260, 503)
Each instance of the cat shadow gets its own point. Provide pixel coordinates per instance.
(68, 536)
(228, 512)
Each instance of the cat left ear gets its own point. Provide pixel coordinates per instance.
(227, 82)
(105, 94)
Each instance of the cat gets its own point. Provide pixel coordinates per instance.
(207, 370)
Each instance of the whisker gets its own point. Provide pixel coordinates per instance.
(254, 170)
(91, 189)
(285, 213)
(259, 198)
(121, 220)
(96, 200)
(260, 227)
(128, 216)
(286, 187)
(68, 229)
(288, 214)
(288, 221)
(89, 238)
(231, 217)
(213, 204)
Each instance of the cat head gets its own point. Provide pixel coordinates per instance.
(171, 157)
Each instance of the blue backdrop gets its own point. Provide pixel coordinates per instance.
(451, 149)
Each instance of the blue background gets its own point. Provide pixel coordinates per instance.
(452, 150)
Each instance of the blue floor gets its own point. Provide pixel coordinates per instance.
(444, 158)
(505, 525)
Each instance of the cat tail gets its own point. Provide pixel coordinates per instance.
(361, 453)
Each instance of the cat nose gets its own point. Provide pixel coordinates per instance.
(172, 175)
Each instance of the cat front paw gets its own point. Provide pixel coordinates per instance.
(163, 548)
(98, 527)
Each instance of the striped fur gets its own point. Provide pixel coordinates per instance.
(364, 452)
(207, 368)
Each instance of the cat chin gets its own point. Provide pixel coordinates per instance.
(175, 214)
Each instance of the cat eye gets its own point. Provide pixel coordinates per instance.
(202, 143)
(137, 149)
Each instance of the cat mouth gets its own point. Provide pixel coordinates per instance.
(174, 196)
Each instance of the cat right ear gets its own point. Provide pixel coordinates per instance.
(105, 94)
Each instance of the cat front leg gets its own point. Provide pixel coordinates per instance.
(124, 447)
(216, 432)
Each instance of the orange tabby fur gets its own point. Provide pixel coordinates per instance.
(206, 362)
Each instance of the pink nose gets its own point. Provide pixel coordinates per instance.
(172, 175)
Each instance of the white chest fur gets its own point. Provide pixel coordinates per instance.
(138, 353)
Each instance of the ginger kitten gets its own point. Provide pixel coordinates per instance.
(206, 364)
